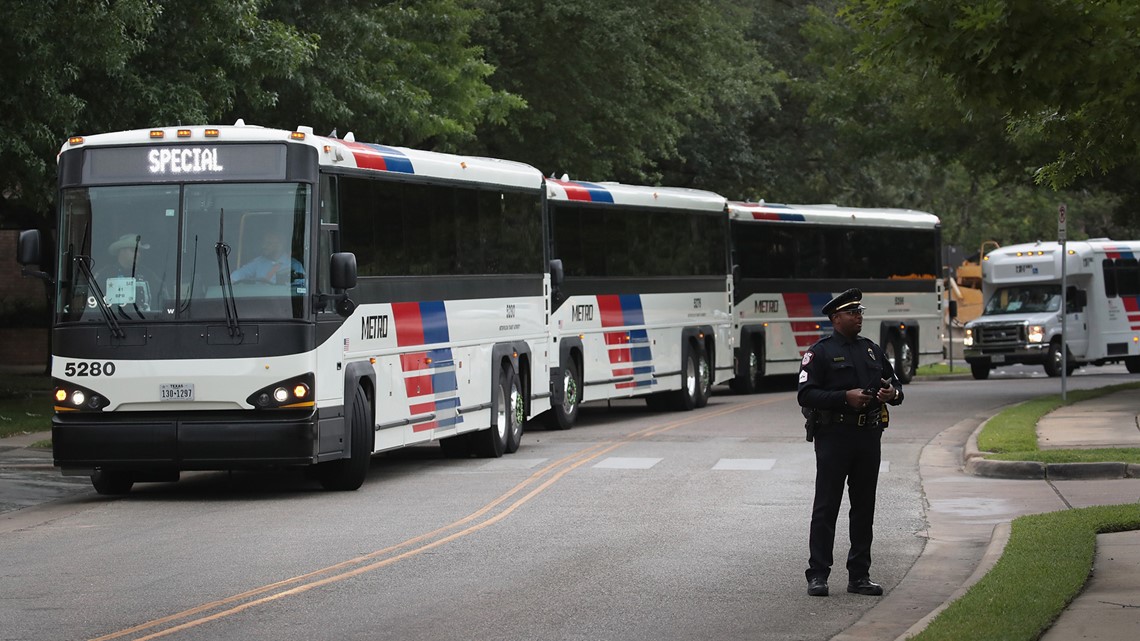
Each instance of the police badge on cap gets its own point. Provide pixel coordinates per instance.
(846, 301)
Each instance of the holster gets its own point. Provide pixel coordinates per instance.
(811, 420)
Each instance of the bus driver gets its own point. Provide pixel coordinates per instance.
(273, 266)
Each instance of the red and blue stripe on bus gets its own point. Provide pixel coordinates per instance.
(379, 157)
(629, 350)
(1131, 303)
(429, 375)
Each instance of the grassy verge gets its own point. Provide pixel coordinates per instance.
(1044, 566)
(942, 369)
(25, 403)
(1012, 434)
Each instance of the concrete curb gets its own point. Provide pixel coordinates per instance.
(976, 464)
(994, 549)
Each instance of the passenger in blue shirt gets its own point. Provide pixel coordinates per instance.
(273, 266)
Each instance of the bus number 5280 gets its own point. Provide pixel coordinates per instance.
(83, 368)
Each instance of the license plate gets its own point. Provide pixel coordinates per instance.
(997, 358)
(176, 391)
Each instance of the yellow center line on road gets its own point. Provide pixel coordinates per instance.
(360, 565)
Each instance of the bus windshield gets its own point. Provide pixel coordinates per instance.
(1024, 299)
(165, 252)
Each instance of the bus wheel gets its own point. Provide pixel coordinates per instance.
(901, 356)
(565, 414)
(1133, 364)
(517, 410)
(981, 371)
(112, 482)
(348, 474)
(493, 442)
(704, 379)
(749, 382)
(685, 398)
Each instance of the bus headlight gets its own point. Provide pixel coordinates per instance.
(69, 397)
(1035, 333)
(968, 338)
(290, 393)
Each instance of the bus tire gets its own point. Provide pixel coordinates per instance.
(901, 355)
(564, 415)
(704, 378)
(112, 482)
(492, 443)
(981, 371)
(685, 399)
(346, 475)
(749, 381)
(517, 409)
(1132, 363)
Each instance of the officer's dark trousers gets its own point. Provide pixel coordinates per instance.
(851, 454)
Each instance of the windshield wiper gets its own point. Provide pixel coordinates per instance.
(224, 279)
(84, 261)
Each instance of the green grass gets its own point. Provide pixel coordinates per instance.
(25, 403)
(1044, 566)
(942, 369)
(1011, 435)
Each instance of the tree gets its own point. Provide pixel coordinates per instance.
(611, 89)
(1058, 74)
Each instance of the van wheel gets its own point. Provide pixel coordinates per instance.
(1052, 362)
(1133, 364)
(347, 474)
(112, 482)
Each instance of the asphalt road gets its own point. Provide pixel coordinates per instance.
(633, 525)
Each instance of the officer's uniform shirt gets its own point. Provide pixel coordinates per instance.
(836, 364)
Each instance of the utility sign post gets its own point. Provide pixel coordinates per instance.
(1062, 215)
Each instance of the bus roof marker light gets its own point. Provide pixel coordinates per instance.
(297, 135)
(157, 133)
(75, 140)
(212, 133)
(183, 133)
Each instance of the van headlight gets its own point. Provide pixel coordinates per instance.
(1036, 333)
(968, 338)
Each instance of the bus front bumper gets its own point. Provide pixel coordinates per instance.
(82, 442)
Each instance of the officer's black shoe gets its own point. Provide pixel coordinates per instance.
(864, 586)
(817, 587)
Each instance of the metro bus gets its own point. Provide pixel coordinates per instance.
(641, 295)
(791, 259)
(236, 297)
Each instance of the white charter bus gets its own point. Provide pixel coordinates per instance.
(641, 295)
(791, 259)
(241, 297)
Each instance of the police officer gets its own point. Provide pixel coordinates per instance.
(845, 382)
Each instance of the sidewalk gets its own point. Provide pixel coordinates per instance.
(969, 516)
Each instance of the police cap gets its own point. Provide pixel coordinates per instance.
(846, 301)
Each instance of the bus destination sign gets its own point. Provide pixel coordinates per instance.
(163, 163)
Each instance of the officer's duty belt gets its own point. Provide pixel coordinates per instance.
(847, 418)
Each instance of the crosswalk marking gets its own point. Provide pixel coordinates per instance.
(627, 463)
(750, 464)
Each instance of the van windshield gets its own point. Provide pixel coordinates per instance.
(1024, 299)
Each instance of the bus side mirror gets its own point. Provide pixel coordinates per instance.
(28, 248)
(342, 270)
(556, 274)
(342, 277)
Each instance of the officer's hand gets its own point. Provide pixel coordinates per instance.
(857, 399)
(887, 391)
